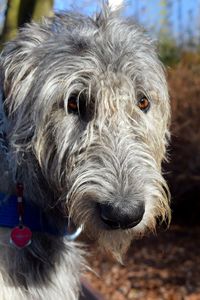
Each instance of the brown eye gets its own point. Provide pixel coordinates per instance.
(144, 104)
(77, 105)
(72, 105)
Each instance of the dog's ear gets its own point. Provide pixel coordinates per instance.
(109, 11)
(18, 65)
(19, 62)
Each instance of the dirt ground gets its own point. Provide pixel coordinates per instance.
(162, 267)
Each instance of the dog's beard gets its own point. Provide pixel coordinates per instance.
(91, 185)
(115, 242)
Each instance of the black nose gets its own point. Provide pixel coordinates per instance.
(123, 216)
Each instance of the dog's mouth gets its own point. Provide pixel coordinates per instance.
(117, 225)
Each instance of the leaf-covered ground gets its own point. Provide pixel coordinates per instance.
(162, 267)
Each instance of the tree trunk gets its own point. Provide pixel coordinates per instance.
(11, 21)
(42, 8)
(20, 12)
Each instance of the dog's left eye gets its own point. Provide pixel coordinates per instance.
(144, 104)
(72, 105)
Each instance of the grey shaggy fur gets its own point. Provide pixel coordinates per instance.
(68, 163)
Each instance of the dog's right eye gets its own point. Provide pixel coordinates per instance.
(77, 105)
(72, 105)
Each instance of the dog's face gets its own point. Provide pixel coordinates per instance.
(90, 100)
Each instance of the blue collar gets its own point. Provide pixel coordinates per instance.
(33, 216)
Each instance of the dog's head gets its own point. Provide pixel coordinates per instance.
(89, 99)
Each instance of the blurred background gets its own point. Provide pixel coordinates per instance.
(165, 266)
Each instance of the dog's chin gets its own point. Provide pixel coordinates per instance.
(116, 242)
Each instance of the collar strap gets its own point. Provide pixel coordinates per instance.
(33, 217)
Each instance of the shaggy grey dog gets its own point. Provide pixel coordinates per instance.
(86, 123)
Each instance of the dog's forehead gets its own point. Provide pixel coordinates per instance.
(110, 42)
(86, 48)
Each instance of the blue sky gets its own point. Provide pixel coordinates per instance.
(149, 11)
(2, 9)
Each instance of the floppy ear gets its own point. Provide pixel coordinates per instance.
(18, 64)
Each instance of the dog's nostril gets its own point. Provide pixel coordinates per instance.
(121, 217)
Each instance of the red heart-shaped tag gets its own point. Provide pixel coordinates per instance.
(21, 236)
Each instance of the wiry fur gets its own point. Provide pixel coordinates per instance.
(68, 164)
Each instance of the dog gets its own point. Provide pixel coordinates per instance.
(85, 119)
